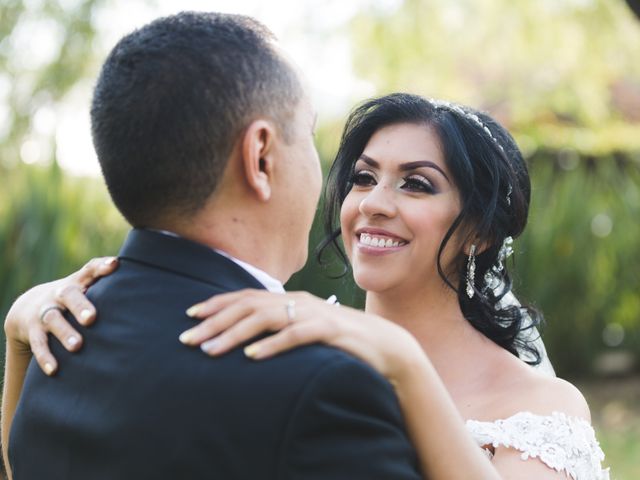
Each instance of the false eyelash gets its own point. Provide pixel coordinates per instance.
(424, 184)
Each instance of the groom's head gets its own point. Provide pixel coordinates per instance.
(198, 117)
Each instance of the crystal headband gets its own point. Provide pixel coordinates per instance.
(452, 107)
(468, 115)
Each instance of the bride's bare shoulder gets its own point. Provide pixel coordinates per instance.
(531, 391)
(507, 385)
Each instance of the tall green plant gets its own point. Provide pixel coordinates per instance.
(51, 224)
(580, 258)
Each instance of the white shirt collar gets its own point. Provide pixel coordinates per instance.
(272, 284)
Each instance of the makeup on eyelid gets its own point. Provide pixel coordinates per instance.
(413, 183)
(406, 166)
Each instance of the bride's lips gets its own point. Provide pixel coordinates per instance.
(377, 241)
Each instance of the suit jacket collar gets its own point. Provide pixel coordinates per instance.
(186, 258)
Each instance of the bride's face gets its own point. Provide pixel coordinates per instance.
(402, 203)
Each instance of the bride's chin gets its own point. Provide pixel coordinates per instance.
(372, 285)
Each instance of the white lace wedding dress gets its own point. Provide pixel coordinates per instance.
(561, 442)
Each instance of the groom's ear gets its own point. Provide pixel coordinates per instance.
(257, 157)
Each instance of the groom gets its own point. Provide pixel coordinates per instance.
(203, 130)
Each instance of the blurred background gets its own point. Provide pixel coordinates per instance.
(562, 75)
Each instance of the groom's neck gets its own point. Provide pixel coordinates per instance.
(238, 237)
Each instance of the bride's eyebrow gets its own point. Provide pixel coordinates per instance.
(423, 163)
(369, 161)
(406, 166)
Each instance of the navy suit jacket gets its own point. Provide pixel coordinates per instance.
(137, 404)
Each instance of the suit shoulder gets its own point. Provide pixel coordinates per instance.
(346, 422)
(348, 383)
(328, 368)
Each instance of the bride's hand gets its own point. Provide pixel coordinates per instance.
(299, 318)
(38, 312)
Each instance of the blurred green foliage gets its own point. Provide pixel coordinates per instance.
(50, 224)
(561, 75)
(556, 74)
(579, 258)
(31, 83)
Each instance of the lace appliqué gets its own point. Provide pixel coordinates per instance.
(559, 441)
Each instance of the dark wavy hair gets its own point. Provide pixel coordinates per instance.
(493, 181)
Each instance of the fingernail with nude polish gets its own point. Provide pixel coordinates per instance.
(110, 261)
(186, 337)
(193, 311)
(72, 341)
(211, 347)
(48, 369)
(85, 315)
(252, 350)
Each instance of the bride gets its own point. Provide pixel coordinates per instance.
(426, 197)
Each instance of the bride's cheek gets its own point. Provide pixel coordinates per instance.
(347, 248)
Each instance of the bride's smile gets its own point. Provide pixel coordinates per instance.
(377, 240)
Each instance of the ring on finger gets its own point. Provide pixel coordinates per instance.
(46, 309)
(291, 310)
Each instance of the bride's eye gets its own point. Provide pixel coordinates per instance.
(363, 178)
(418, 183)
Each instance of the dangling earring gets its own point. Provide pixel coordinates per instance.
(471, 271)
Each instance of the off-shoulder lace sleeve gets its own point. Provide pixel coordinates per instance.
(561, 442)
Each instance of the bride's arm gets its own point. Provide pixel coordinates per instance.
(15, 368)
(444, 446)
(26, 332)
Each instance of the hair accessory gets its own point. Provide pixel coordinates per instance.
(509, 197)
(491, 277)
(468, 115)
(506, 250)
(471, 271)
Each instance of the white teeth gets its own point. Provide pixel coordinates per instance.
(366, 239)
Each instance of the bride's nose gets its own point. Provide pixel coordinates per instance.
(380, 200)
